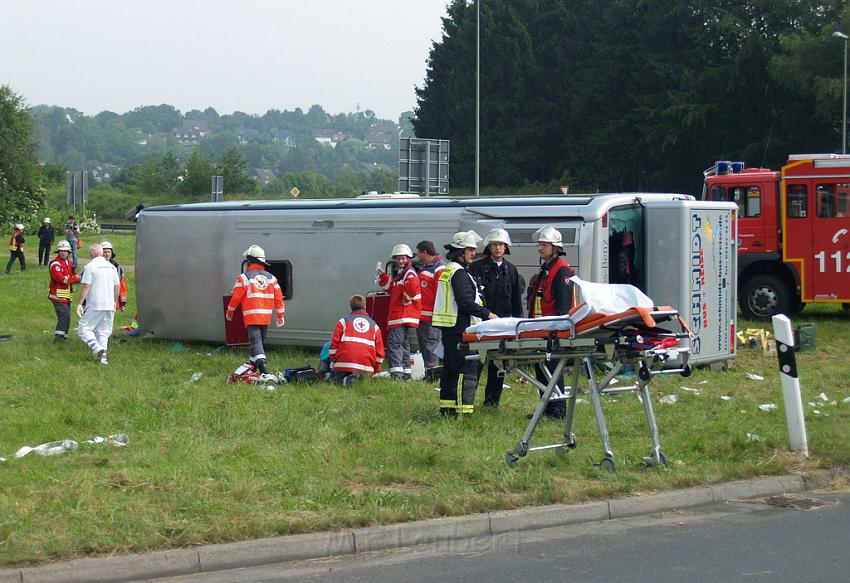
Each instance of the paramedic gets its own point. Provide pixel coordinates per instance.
(405, 310)
(100, 294)
(258, 293)
(109, 255)
(62, 277)
(551, 294)
(430, 267)
(16, 249)
(357, 347)
(502, 295)
(458, 304)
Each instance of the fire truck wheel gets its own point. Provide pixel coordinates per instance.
(764, 295)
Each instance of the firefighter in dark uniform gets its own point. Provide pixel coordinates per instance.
(551, 294)
(502, 293)
(456, 305)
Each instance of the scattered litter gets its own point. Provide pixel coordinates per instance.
(703, 383)
(118, 439)
(384, 374)
(811, 404)
(823, 397)
(754, 437)
(2, 459)
(436, 388)
(49, 448)
(669, 399)
(195, 378)
(767, 406)
(743, 410)
(523, 381)
(178, 347)
(833, 403)
(846, 400)
(209, 353)
(690, 390)
(613, 382)
(579, 400)
(725, 397)
(506, 385)
(754, 377)
(816, 411)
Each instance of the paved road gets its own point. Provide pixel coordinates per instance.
(724, 543)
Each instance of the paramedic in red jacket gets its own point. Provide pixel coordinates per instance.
(405, 310)
(357, 347)
(430, 267)
(258, 293)
(62, 277)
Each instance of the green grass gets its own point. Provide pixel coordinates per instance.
(211, 462)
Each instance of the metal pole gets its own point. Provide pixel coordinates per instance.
(478, 95)
(844, 134)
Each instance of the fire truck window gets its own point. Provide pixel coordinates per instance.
(825, 200)
(282, 270)
(798, 207)
(748, 199)
(718, 193)
(843, 200)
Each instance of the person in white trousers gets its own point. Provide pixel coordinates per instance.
(101, 287)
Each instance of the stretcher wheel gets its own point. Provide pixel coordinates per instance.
(522, 449)
(607, 464)
(686, 371)
(643, 373)
(510, 459)
(649, 461)
(571, 440)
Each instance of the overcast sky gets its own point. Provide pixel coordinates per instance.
(246, 55)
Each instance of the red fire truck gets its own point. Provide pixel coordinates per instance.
(793, 231)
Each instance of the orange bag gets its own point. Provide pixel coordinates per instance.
(79, 243)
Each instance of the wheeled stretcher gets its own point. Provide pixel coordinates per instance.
(632, 337)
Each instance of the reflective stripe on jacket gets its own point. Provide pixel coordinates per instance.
(405, 298)
(259, 294)
(16, 241)
(542, 301)
(429, 274)
(445, 304)
(357, 344)
(62, 276)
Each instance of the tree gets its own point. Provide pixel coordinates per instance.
(169, 172)
(199, 171)
(232, 167)
(21, 182)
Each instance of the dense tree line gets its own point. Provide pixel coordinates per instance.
(632, 94)
(22, 192)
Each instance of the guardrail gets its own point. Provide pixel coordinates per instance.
(117, 228)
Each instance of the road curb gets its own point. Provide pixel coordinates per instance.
(218, 557)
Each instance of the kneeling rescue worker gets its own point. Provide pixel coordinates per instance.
(457, 305)
(258, 293)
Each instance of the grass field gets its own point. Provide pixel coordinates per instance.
(211, 462)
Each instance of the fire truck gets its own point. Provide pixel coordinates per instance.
(793, 231)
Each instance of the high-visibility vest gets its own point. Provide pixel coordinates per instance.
(13, 243)
(543, 301)
(445, 304)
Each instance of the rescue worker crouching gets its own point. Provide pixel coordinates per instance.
(405, 310)
(62, 278)
(258, 293)
(551, 294)
(499, 279)
(357, 346)
(457, 305)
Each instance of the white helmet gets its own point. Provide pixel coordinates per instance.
(497, 236)
(106, 245)
(256, 254)
(548, 234)
(63, 246)
(401, 249)
(19, 227)
(464, 239)
(46, 220)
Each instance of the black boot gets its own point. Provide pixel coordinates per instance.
(261, 365)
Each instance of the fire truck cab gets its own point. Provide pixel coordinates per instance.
(793, 231)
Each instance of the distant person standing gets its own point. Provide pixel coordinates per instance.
(16, 249)
(46, 236)
(430, 267)
(100, 294)
(72, 235)
(62, 278)
(499, 279)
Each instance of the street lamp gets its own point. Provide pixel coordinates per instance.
(841, 35)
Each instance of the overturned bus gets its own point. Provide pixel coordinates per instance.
(678, 250)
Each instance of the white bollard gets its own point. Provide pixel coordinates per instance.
(790, 384)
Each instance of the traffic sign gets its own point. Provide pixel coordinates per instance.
(295, 192)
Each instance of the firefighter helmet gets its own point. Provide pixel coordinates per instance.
(19, 227)
(401, 249)
(107, 245)
(498, 236)
(548, 234)
(63, 246)
(46, 220)
(255, 254)
(464, 239)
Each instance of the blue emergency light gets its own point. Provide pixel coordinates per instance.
(726, 167)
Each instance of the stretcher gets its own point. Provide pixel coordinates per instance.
(629, 338)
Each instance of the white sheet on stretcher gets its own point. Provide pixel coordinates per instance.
(606, 298)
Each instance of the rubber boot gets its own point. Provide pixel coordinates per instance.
(260, 363)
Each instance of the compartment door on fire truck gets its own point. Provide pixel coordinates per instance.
(831, 241)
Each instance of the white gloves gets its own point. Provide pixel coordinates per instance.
(279, 322)
(80, 310)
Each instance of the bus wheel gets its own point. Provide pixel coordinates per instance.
(764, 295)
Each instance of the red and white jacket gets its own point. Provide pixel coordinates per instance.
(258, 292)
(62, 276)
(405, 298)
(429, 275)
(357, 345)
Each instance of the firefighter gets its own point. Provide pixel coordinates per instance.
(62, 278)
(551, 294)
(357, 347)
(502, 293)
(46, 236)
(430, 267)
(258, 293)
(16, 249)
(458, 304)
(109, 255)
(405, 310)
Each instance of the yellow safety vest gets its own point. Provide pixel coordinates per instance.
(445, 305)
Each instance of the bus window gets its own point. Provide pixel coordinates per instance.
(797, 201)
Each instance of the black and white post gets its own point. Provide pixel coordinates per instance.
(790, 385)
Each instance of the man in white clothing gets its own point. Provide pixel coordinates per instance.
(101, 287)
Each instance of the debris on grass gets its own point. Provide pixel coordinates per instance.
(725, 398)
(118, 440)
(754, 437)
(690, 390)
(195, 378)
(177, 347)
(823, 397)
(668, 399)
(767, 406)
(49, 448)
(754, 377)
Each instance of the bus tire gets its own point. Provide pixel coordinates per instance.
(763, 296)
